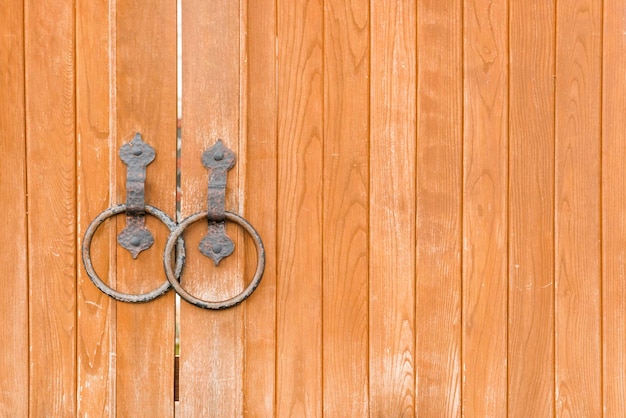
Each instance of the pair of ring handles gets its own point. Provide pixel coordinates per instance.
(136, 238)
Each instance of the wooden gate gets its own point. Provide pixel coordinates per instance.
(440, 187)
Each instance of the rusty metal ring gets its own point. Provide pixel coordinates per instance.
(173, 279)
(126, 297)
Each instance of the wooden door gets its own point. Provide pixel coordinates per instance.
(439, 186)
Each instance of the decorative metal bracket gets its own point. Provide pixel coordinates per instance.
(216, 244)
(135, 237)
(136, 155)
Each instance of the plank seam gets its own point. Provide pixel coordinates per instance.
(461, 231)
(507, 205)
(601, 210)
(27, 209)
(275, 229)
(554, 207)
(368, 205)
(322, 211)
(77, 262)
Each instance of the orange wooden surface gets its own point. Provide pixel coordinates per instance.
(531, 210)
(211, 343)
(439, 174)
(146, 103)
(345, 215)
(14, 257)
(118, 343)
(392, 209)
(439, 187)
(578, 353)
(259, 383)
(485, 198)
(299, 221)
(613, 194)
(96, 153)
(51, 192)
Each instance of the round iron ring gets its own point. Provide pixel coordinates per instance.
(173, 279)
(127, 297)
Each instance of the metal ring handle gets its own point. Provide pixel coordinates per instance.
(126, 297)
(167, 263)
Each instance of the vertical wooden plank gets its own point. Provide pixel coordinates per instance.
(299, 211)
(392, 208)
(96, 141)
(577, 205)
(13, 258)
(345, 215)
(211, 343)
(439, 196)
(146, 103)
(613, 209)
(531, 209)
(485, 209)
(259, 388)
(49, 75)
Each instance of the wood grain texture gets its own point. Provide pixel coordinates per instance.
(96, 154)
(259, 383)
(51, 184)
(211, 343)
(439, 187)
(146, 102)
(485, 163)
(299, 209)
(392, 209)
(531, 209)
(577, 205)
(439, 175)
(13, 258)
(345, 231)
(613, 210)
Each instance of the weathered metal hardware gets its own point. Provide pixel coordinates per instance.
(235, 300)
(136, 155)
(216, 244)
(127, 297)
(136, 238)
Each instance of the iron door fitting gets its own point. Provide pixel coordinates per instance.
(135, 237)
